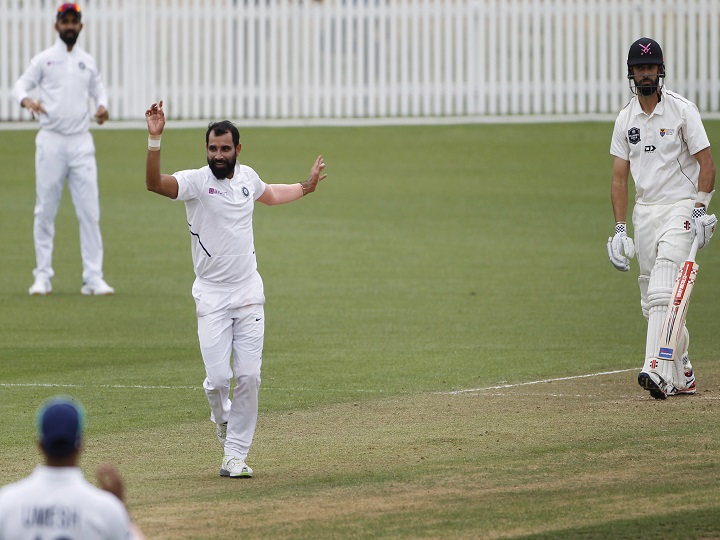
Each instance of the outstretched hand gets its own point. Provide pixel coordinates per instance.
(155, 117)
(315, 177)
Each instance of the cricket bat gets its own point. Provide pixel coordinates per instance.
(676, 314)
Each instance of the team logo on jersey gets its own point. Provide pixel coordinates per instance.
(665, 131)
(245, 191)
(81, 65)
(634, 135)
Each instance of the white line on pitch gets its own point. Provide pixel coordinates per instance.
(151, 387)
(500, 387)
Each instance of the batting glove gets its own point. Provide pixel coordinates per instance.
(703, 226)
(621, 248)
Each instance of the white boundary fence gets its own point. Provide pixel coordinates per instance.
(315, 59)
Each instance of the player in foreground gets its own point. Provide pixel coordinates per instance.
(56, 501)
(67, 77)
(228, 291)
(659, 137)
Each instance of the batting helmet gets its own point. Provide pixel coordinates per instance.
(643, 52)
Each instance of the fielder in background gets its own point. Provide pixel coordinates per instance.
(228, 291)
(660, 139)
(56, 501)
(66, 76)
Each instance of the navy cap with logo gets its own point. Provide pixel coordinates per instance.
(645, 51)
(60, 423)
(68, 7)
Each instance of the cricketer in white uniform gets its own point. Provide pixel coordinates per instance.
(228, 290)
(66, 77)
(659, 138)
(56, 501)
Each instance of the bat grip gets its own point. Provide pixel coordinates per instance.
(693, 250)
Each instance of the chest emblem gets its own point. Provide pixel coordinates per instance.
(665, 131)
(81, 65)
(213, 191)
(245, 191)
(634, 135)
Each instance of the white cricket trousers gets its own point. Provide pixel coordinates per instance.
(662, 240)
(72, 157)
(229, 329)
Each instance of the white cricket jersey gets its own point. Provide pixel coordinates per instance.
(57, 502)
(660, 148)
(219, 214)
(66, 80)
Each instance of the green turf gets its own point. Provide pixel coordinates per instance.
(432, 259)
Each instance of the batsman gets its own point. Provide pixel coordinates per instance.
(660, 139)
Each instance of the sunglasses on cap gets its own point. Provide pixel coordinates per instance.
(68, 7)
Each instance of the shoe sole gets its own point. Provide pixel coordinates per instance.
(226, 473)
(93, 293)
(651, 386)
(41, 293)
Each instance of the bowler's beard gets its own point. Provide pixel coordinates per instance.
(221, 168)
(69, 37)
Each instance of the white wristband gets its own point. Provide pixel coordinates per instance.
(704, 198)
(154, 142)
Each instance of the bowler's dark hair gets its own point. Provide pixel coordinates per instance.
(221, 128)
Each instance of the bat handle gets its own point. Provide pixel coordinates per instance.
(693, 250)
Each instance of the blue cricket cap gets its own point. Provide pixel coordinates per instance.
(60, 423)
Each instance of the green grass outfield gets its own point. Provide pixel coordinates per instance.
(434, 259)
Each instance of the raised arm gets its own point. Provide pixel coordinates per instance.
(163, 184)
(285, 193)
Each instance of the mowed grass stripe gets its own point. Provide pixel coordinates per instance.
(434, 259)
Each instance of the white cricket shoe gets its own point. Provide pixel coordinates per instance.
(41, 287)
(234, 467)
(97, 288)
(222, 432)
(689, 373)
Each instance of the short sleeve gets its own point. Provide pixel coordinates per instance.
(257, 184)
(696, 137)
(619, 146)
(190, 184)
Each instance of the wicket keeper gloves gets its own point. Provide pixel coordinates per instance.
(703, 225)
(621, 248)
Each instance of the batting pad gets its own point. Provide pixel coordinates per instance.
(660, 288)
(643, 282)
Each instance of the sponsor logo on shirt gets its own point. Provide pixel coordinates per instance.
(213, 191)
(650, 148)
(634, 135)
(665, 131)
